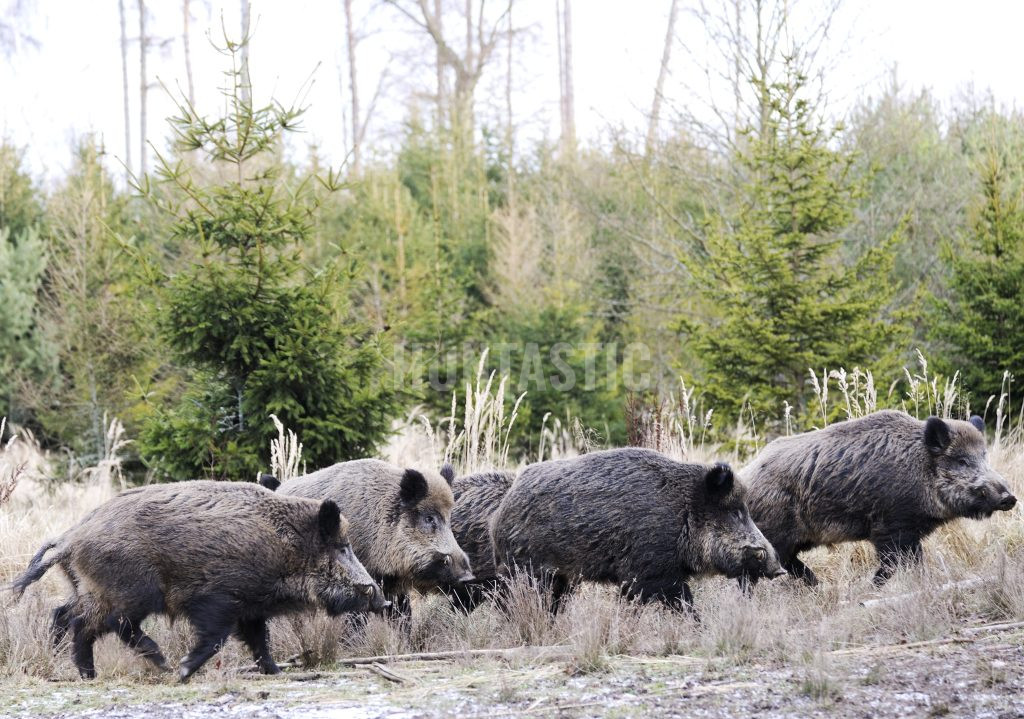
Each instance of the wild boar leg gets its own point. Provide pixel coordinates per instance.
(670, 592)
(213, 618)
(893, 550)
(800, 570)
(401, 607)
(789, 560)
(82, 639)
(560, 586)
(128, 628)
(256, 636)
(61, 624)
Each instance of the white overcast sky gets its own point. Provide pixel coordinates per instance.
(71, 83)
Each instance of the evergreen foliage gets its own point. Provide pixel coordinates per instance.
(782, 301)
(979, 322)
(259, 331)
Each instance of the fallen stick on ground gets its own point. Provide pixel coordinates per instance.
(872, 648)
(993, 627)
(895, 599)
(557, 649)
(286, 676)
(533, 709)
(383, 671)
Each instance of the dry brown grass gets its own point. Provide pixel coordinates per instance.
(783, 623)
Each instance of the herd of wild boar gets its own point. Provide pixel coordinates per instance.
(360, 536)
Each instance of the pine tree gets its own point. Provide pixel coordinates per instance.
(771, 269)
(980, 323)
(258, 331)
(24, 354)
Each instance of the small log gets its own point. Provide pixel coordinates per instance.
(383, 671)
(1000, 627)
(557, 649)
(896, 599)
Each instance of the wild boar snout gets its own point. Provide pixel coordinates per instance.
(1007, 501)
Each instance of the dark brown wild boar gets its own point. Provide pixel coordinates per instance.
(888, 478)
(226, 556)
(632, 517)
(477, 497)
(399, 523)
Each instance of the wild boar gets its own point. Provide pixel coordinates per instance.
(887, 477)
(632, 517)
(226, 556)
(477, 497)
(400, 523)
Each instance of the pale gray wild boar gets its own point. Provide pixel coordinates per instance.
(633, 517)
(477, 497)
(226, 556)
(888, 478)
(400, 523)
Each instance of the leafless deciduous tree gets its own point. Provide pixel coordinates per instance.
(13, 33)
(659, 88)
(350, 41)
(124, 88)
(565, 74)
(466, 67)
(246, 82)
(747, 41)
(143, 85)
(510, 137)
(186, 11)
(360, 118)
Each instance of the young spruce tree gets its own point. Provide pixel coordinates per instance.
(980, 322)
(772, 268)
(257, 330)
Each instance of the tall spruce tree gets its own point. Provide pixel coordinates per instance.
(980, 322)
(258, 332)
(783, 301)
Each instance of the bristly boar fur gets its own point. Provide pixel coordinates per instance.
(888, 478)
(477, 497)
(400, 523)
(633, 517)
(226, 556)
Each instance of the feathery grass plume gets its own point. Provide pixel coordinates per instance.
(676, 426)
(10, 467)
(285, 453)
(107, 472)
(483, 441)
(934, 394)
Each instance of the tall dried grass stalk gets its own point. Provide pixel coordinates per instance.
(483, 441)
(285, 453)
(11, 467)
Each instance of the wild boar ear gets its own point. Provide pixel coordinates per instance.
(978, 422)
(448, 472)
(328, 520)
(719, 480)
(936, 435)
(270, 482)
(412, 489)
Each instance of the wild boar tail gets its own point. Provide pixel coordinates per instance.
(37, 567)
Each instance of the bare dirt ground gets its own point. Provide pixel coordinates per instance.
(976, 673)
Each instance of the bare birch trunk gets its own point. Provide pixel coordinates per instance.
(246, 82)
(442, 99)
(124, 88)
(357, 134)
(143, 86)
(509, 129)
(565, 76)
(659, 88)
(186, 43)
